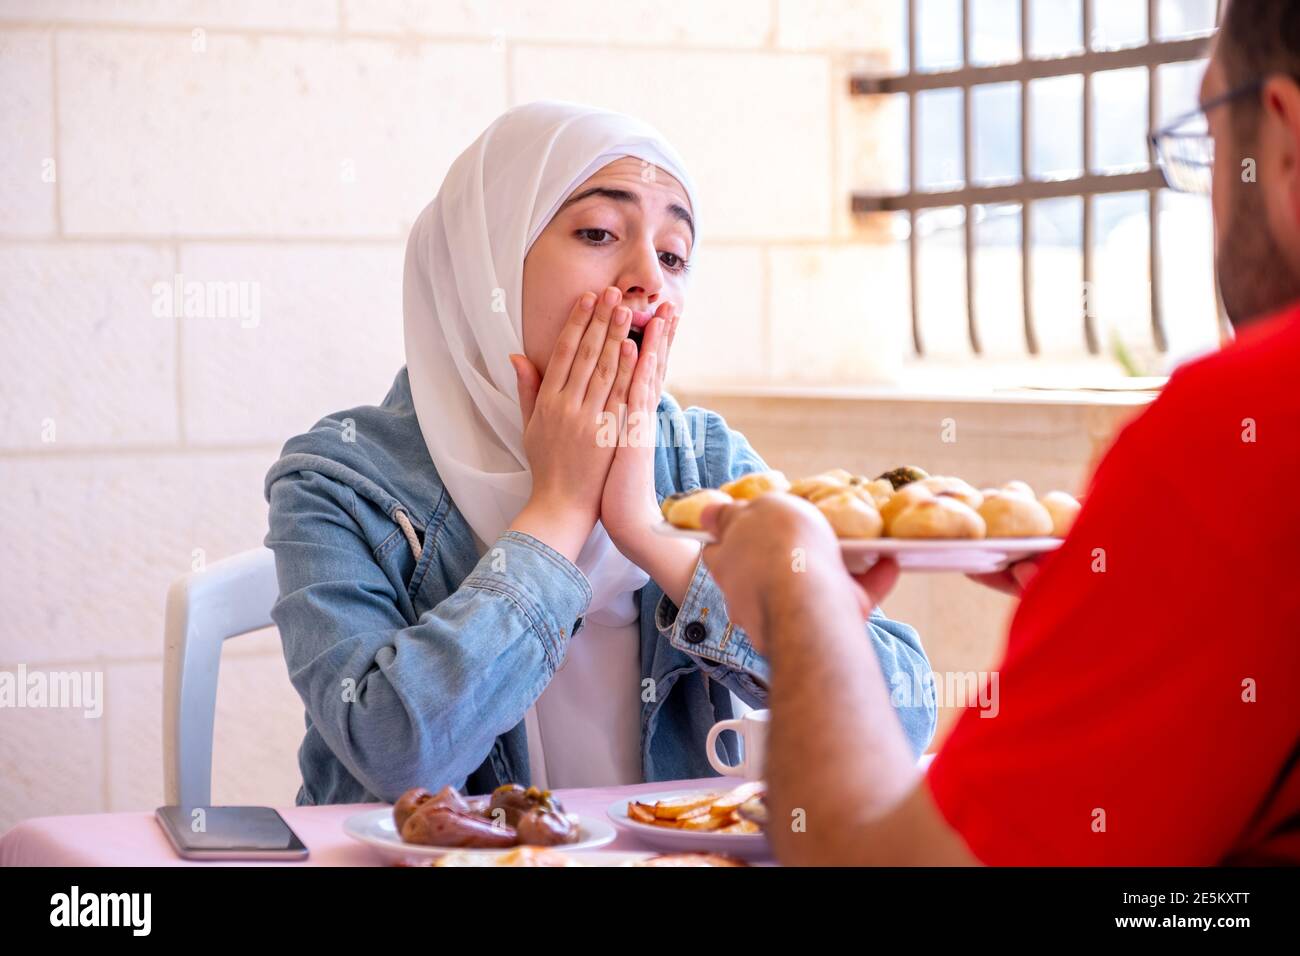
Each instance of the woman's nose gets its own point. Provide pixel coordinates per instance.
(643, 278)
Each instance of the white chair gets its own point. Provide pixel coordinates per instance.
(230, 597)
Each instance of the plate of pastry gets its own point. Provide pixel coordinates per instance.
(925, 522)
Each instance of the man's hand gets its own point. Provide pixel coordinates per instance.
(776, 546)
(1012, 580)
(860, 782)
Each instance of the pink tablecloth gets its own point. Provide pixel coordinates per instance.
(135, 839)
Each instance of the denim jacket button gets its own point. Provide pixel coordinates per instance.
(695, 633)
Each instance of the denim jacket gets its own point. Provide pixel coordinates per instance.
(417, 671)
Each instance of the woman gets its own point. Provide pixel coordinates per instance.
(470, 590)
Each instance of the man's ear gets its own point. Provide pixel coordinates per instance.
(1280, 131)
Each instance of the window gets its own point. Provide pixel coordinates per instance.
(1037, 222)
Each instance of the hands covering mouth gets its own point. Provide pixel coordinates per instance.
(638, 326)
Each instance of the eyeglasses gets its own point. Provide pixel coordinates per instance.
(1185, 148)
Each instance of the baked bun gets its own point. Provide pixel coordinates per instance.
(901, 499)
(666, 505)
(857, 491)
(879, 489)
(756, 483)
(1009, 514)
(817, 485)
(685, 510)
(850, 516)
(961, 490)
(1063, 508)
(938, 516)
(1019, 488)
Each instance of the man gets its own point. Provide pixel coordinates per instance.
(1147, 709)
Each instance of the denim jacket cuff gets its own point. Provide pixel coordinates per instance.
(550, 589)
(702, 629)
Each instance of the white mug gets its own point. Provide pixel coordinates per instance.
(751, 728)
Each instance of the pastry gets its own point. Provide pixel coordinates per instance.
(947, 485)
(817, 485)
(685, 510)
(756, 483)
(666, 505)
(1063, 508)
(938, 516)
(900, 499)
(843, 474)
(850, 516)
(1009, 514)
(1019, 488)
(857, 491)
(879, 489)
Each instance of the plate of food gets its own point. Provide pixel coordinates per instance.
(550, 856)
(925, 522)
(728, 822)
(423, 826)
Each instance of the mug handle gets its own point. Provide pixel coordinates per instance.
(711, 751)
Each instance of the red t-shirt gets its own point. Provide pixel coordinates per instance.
(1149, 713)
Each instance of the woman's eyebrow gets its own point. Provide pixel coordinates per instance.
(626, 195)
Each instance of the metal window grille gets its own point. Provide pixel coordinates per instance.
(1026, 190)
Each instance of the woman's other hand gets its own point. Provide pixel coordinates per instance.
(562, 416)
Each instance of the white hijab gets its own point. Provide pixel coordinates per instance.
(462, 301)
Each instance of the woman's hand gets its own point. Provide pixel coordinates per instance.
(628, 506)
(588, 375)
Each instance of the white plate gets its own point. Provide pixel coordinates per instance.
(745, 846)
(377, 829)
(585, 857)
(966, 556)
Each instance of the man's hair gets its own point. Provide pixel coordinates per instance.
(1257, 38)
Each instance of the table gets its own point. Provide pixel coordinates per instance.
(135, 838)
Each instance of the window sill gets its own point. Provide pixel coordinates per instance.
(1083, 382)
(1041, 395)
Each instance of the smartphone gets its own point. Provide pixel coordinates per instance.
(230, 833)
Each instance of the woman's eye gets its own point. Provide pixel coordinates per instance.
(588, 235)
(678, 264)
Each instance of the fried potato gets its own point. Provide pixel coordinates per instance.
(703, 813)
(681, 806)
(732, 800)
(741, 826)
(706, 822)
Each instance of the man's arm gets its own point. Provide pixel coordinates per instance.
(838, 735)
(841, 775)
(1130, 680)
